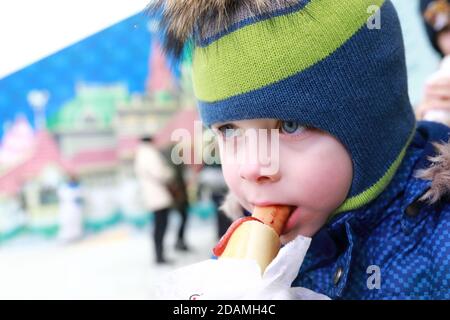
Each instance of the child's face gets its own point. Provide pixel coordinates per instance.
(314, 173)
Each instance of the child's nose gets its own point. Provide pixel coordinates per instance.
(253, 172)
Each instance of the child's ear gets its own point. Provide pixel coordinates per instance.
(231, 207)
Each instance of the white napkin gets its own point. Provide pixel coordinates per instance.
(234, 279)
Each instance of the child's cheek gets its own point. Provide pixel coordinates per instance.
(322, 181)
(231, 176)
(230, 170)
(329, 188)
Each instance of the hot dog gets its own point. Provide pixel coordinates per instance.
(256, 237)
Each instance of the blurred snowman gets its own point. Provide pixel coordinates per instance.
(70, 210)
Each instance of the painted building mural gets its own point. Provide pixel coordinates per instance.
(80, 114)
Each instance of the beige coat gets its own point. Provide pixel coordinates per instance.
(153, 173)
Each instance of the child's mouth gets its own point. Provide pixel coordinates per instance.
(293, 219)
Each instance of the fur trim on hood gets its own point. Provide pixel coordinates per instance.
(180, 18)
(231, 207)
(438, 173)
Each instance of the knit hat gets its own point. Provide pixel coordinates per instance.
(316, 62)
(436, 17)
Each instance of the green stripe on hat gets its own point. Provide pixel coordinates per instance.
(274, 49)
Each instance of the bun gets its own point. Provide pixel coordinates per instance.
(253, 240)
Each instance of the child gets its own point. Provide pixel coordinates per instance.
(368, 184)
(435, 105)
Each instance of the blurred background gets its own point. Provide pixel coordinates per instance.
(81, 82)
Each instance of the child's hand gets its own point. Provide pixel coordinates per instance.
(437, 97)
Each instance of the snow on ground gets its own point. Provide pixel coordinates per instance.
(114, 264)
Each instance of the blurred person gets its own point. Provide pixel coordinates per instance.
(153, 174)
(436, 102)
(211, 180)
(178, 190)
(70, 210)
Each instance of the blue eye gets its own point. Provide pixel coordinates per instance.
(229, 131)
(291, 127)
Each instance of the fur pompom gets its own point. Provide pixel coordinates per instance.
(438, 173)
(180, 18)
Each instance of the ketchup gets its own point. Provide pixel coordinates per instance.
(220, 247)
